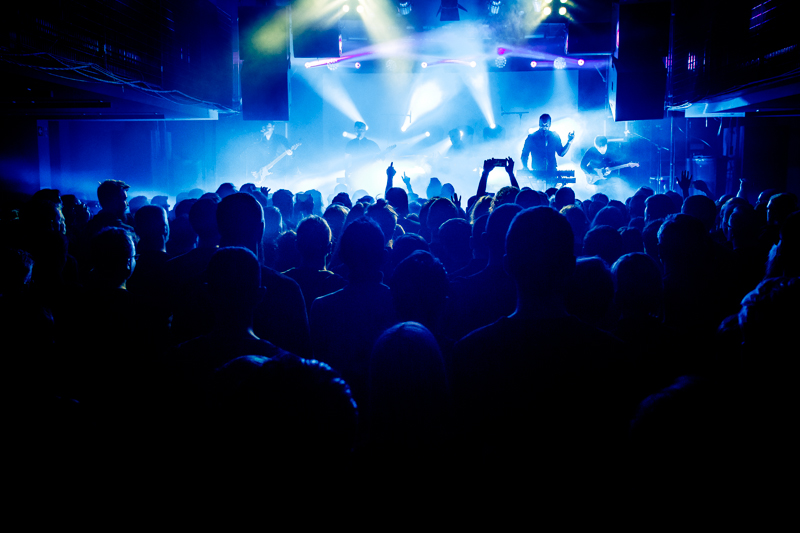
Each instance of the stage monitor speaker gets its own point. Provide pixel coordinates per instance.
(316, 41)
(265, 91)
(264, 51)
(638, 75)
(594, 38)
(636, 93)
(642, 31)
(592, 90)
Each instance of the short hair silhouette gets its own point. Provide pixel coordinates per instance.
(240, 219)
(313, 237)
(233, 276)
(539, 250)
(361, 245)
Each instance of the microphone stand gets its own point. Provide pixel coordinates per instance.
(658, 179)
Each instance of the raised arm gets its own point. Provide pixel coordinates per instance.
(510, 171)
(565, 148)
(412, 197)
(684, 182)
(488, 165)
(390, 172)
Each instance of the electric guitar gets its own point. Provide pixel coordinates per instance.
(602, 173)
(264, 171)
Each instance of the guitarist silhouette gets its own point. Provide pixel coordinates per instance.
(362, 151)
(596, 166)
(271, 154)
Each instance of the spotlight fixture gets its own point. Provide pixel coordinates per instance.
(344, 134)
(333, 66)
(427, 134)
(345, 8)
(581, 62)
(494, 7)
(533, 64)
(424, 64)
(360, 9)
(493, 126)
(560, 63)
(500, 62)
(501, 51)
(473, 64)
(546, 11)
(562, 11)
(404, 7)
(358, 65)
(448, 10)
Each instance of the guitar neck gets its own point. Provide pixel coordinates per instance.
(284, 154)
(626, 165)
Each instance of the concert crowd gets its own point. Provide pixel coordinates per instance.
(524, 342)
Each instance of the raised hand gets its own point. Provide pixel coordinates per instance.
(406, 179)
(570, 136)
(701, 186)
(265, 191)
(488, 165)
(684, 182)
(456, 200)
(390, 171)
(510, 165)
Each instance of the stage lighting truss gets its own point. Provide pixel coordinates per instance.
(404, 7)
(500, 62)
(494, 7)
